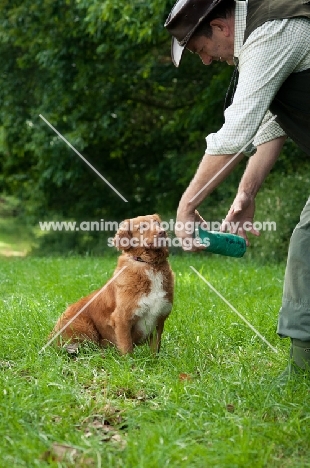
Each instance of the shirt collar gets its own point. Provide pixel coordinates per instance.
(240, 24)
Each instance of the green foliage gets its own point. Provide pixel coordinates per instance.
(280, 202)
(100, 72)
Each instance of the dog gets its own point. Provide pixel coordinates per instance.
(132, 307)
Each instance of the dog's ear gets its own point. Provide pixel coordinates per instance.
(123, 236)
(156, 217)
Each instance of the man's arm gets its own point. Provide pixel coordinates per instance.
(213, 170)
(259, 166)
(243, 207)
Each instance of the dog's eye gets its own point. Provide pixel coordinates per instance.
(143, 227)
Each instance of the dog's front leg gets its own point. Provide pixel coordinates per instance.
(123, 336)
(155, 338)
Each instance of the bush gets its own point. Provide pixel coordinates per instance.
(281, 201)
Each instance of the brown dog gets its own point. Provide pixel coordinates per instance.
(135, 303)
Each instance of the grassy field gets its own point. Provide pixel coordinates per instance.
(209, 400)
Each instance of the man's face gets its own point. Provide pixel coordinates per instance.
(219, 47)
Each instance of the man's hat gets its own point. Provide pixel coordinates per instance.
(184, 19)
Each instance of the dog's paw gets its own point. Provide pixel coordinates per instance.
(72, 349)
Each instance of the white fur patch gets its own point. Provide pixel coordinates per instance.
(152, 305)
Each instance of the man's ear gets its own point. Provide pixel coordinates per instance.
(123, 236)
(220, 25)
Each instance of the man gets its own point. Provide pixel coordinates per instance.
(268, 41)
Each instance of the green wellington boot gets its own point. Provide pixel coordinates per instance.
(301, 353)
(299, 362)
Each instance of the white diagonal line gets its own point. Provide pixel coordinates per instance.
(235, 310)
(231, 160)
(84, 159)
(81, 310)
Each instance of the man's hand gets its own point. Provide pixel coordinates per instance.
(185, 230)
(239, 219)
(211, 171)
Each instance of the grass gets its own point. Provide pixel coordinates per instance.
(209, 400)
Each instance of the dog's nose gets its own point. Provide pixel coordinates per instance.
(162, 234)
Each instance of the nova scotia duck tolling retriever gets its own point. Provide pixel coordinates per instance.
(133, 306)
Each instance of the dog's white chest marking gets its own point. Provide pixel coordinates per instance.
(152, 305)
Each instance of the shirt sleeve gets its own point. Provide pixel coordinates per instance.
(268, 57)
(268, 132)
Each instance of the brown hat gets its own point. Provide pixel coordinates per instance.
(184, 19)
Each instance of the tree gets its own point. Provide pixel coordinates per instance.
(101, 73)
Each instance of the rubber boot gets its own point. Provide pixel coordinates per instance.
(299, 361)
(301, 353)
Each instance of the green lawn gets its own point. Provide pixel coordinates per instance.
(209, 400)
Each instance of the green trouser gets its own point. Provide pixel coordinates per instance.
(294, 317)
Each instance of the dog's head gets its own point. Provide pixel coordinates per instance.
(142, 236)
